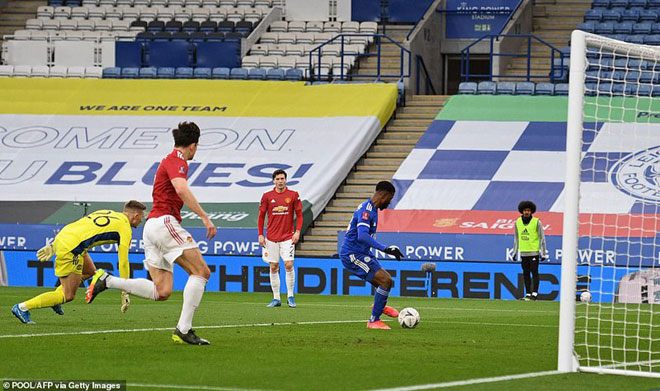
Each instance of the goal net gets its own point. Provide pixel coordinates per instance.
(611, 241)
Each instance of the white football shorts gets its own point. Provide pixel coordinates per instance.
(274, 250)
(164, 242)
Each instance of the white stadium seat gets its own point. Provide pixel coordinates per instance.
(90, 3)
(259, 49)
(131, 13)
(96, 13)
(77, 72)
(22, 71)
(45, 12)
(62, 12)
(295, 50)
(51, 24)
(121, 25)
(22, 34)
(6, 70)
(285, 38)
(39, 35)
(217, 14)
(331, 27)
(369, 27)
(263, 3)
(235, 15)
(40, 71)
(94, 72)
(286, 62)
(58, 71)
(200, 14)
(79, 13)
(86, 25)
(252, 15)
(103, 25)
(314, 27)
(227, 3)
(269, 62)
(74, 35)
(279, 26)
(68, 24)
(305, 38)
(269, 37)
(323, 37)
(276, 50)
(350, 27)
(34, 24)
(252, 61)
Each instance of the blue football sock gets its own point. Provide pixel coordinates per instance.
(380, 300)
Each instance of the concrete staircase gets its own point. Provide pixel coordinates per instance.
(553, 22)
(379, 163)
(15, 13)
(390, 61)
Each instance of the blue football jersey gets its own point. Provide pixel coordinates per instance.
(365, 215)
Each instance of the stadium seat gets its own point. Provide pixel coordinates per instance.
(486, 87)
(545, 89)
(525, 88)
(257, 74)
(561, 89)
(6, 70)
(624, 28)
(40, 71)
(643, 28)
(112, 73)
(208, 26)
(589, 26)
(165, 72)
(130, 73)
(93, 72)
(467, 88)
(183, 73)
(148, 73)
(220, 73)
(173, 26)
(275, 74)
(202, 73)
(648, 15)
(238, 74)
(293, 74)
(600, 3)
(604, 28)
(190, 26)
(630, 16)
(506, 88)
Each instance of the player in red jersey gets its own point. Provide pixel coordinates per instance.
(166, 242)
(281, 238)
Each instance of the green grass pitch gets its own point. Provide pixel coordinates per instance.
(312, 347)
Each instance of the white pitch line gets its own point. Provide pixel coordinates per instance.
(224, 326)
(471, 381)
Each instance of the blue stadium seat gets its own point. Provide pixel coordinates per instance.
(215, 37)
(156, 26)
(525, 88)
(166, 72)
(293, 74)
(653, 39)
(169, 54)
(111, 73)
(618, 75)
(637, 3)
(590, 89)
(653, 3)
(561, 89)
(238, 74)
(257, 74)
(190, 26)
(225, 26)
(486, 87)
(202, 73)
(233, 37)
(655, 28)
(183, 73)
(162, 36)
(648, 16)
(604, 28)
(642, 28)
(639, 89)
(148, 73)
(467, 88)
(611, 16)
(623, 28)
(220, 73)
(181, 36)
(630, 76)
(589, 26)
(208, 26)
(595, 76)
(139, 24)
(648, 77)
(144, 36)
(275, 74)
(545, 89)
(173, 26)
(506, 88)
(638, 39)
(243, 27)
(629, 16)
(130, 73)
(601, 3)
(128, 54)
(619, 3)
(595, 15)
(197, 37)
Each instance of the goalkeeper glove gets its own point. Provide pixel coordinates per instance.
(45, 253)
(125, 301)
(394, 251)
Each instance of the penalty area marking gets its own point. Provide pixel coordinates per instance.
(471, 381)
(223, 326)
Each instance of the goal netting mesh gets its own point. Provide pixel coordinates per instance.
(618, 244)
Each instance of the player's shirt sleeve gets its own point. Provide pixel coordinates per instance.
(299, 213)
(125, 237)
(364, 220)
(176, 168)
(263, 206)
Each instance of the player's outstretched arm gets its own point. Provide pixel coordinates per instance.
(45, 253)
(188, 198)
(364, 237)
(395, 252)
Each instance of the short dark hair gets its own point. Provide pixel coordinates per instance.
(526, 205)
(185, 133)
(386, 187)
(278, 172)
(135, 205)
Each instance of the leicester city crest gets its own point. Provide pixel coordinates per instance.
(638, 174)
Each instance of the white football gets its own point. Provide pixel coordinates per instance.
(585, 297)
(408, 318)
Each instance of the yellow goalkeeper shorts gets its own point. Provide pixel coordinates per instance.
(67, 263)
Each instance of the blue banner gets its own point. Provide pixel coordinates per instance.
(476, 18)
(498, 248)
(228, 241)
(474, 280)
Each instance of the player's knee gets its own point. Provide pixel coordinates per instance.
(274, 267)
(163, 293)
(288, 267)
(388, 283)
(205, 272)
(69, 296)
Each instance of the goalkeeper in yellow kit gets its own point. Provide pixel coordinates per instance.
(73, 263)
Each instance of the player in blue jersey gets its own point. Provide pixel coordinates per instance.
(357, 257)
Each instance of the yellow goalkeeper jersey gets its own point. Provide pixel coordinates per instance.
(97, 228)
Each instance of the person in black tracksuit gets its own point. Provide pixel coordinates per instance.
(529, 239)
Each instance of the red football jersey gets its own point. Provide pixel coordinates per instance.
(280, 208)
(166, 201)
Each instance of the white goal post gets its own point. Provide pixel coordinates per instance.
(611, 206)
